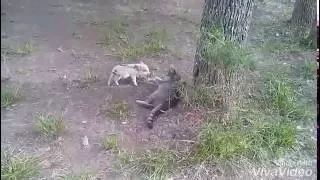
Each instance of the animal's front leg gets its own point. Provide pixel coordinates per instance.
(144, 104)
(116, 80)
(134, 80)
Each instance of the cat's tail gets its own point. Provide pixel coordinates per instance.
(155, 111)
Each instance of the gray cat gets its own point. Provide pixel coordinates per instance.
(164, 97)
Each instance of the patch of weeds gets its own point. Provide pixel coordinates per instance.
(24, 49)
(117, 36)
(306, 69)
(119, 110)
(8, 97)
(302, 113)
(272, 139)
(280, 47)
(82, 176)
(91, 76)
(281, 94)
(221, 143)
(198, 97)
(307, 142)
(155, 165)
(156, 41)
(153, 45)
(280, 38)
(19, 50)
(116, 32)
(223, 53)
(17, 166)
(49, 124)
(110, 143)
(269, 140)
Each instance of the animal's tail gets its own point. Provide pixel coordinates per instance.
(155, 111)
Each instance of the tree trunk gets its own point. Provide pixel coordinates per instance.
(233, 18)
(303, 16)
(312, 36)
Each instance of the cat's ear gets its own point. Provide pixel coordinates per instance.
(141, 62)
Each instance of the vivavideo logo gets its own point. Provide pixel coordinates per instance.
(282, 172)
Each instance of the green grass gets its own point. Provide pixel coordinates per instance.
(18, 50)
(198, 97)
(14, 167)
(224, 53)
(116, 32)
(259, 141)
(306, 69)
(110, 143)
(280, 47)
(49, 124)
(117, 36)
(90, 75)
(153, 45)
(8, 97)
(155, 165)
(119, 110)
(82, 176)
(281, 93)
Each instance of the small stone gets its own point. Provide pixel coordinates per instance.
(277, 34)
(60, 139)
(187, 11)
(84, 122)
(113, 49)
(45, 164)
(153, 138)
(45, 149)
(85, 141)
(124, 122)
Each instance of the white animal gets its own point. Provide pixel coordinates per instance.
(124, 71)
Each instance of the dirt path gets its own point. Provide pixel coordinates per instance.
(46, 76)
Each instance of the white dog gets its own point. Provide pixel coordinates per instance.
(124, 71)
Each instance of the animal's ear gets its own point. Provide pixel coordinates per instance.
(141, 62)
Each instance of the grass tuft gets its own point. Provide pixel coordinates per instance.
(49, 124)
(90, 75)
(8, 97)
(118, 110)
(82, 176)
(224, 53)
(110, 143)
(281, 94)
(307, 70)
(198, 97)
(155, 165)
(19, 50)
(117, 36)
(15, 167)
(259, 141)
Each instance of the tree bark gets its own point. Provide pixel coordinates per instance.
(233, 18)
(312, 36)
(303, 16)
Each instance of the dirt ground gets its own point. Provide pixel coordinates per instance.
(48, 25)
(48, 78)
